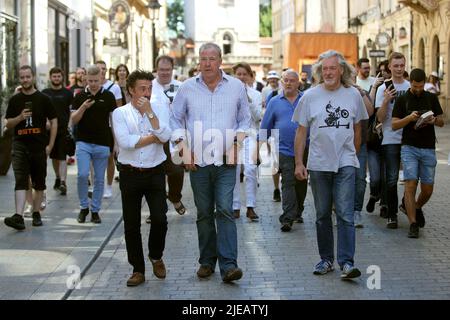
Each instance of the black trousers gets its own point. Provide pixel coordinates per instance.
(133, 186)
(175, 176)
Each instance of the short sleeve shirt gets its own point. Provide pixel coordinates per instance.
(390, 136)
(424, 137)
(331, 116)
(94, 125)
(32, 131)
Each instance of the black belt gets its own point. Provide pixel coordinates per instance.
(129, 168)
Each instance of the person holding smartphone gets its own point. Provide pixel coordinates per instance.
(387, 93)
(92, 109)
(27, 115)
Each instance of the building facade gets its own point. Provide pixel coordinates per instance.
(431, 39)
(72, 33)
(233, 25)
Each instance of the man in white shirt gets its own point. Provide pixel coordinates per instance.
(164, 91)
(108, 85)
(363, 79)
(141, 129)
(273, 79)
(391, 144)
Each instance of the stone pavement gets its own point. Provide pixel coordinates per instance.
(38, 263)
(279, 265)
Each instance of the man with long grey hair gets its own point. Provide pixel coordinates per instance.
(332, 111)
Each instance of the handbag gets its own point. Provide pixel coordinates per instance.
(69, 144)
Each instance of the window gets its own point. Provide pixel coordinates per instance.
(227, 44)
(226, 3)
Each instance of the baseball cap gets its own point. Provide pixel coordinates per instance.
(272, 74)
(435, 74)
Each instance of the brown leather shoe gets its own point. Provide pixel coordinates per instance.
(159, 269)
(136, 279)
(251, 214)
(237, 214)
(232, 275)
(205, 271)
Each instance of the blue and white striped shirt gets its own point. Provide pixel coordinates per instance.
(212, 118)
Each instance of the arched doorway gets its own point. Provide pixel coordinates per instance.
(421, 55)
(435, 55)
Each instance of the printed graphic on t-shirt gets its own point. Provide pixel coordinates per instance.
(336, 117)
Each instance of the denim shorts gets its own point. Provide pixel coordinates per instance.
(419, 164)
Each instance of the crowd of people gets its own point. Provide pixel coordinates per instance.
(329, 129)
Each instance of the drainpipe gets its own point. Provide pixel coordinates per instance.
(306, 14)
(32, 35)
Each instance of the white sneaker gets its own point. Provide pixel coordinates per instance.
(358, 220)
(107, 193)
(28, 210)
(44, 202)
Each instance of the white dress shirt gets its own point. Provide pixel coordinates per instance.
(129, 126)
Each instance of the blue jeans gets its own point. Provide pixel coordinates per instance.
(213, 196)
(337, 188)
(360, 180)
(85, 153)
(376, 171)
(391, 158)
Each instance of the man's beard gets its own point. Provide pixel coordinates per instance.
(27, 86)
(56, 84)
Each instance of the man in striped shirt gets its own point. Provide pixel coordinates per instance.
(210, 116)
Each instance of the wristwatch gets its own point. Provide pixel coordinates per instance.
(150, 115)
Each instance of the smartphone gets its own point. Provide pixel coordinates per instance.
(29, 106)
(389, 83)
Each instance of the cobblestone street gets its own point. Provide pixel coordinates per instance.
(39, 263)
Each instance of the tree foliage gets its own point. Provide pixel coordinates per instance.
(175, 16)
(265, 20)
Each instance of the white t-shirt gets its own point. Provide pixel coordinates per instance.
(366, 83)
(390, 136)
(115, 89)
(331, 116)
(158, 91)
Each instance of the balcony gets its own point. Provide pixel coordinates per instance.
(421, 6)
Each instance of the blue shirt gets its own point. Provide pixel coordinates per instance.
(209, 120)
(279, 116)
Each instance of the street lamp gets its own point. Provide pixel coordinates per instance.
(153, 13)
